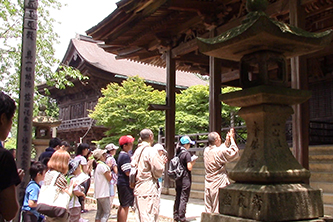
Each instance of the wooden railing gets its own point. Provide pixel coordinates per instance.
(320, 132)
(76, 123)
(201, 140)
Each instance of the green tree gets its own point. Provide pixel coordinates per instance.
(230, 112)
(192, 113)
(192, 110)
(11, 20)
(123, 109)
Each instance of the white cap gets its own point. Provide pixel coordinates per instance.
(160, 147)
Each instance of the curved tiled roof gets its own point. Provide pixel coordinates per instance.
(96, 56)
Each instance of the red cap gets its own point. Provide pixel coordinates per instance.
(125, 139)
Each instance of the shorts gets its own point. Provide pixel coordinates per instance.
(125, 195)
(27, 216)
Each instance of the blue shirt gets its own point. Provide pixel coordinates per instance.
(124, 165)
(31, 193)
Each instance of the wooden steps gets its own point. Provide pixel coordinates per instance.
(198, 177)
(321, 168)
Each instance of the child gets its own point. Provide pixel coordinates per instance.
(29, 213)
(102, 178)
(111, 162)
(78, 191)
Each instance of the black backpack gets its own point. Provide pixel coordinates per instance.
(176, 169)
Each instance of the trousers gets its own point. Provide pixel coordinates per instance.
(183, 188)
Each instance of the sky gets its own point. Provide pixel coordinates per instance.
(77, 17)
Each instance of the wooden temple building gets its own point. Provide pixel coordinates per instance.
(102, 68)
(163, 33)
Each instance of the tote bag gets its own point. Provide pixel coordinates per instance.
(52, 201)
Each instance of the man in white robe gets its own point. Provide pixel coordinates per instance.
(216, 155)
(150, 167)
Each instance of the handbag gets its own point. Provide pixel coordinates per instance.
(52, 201)
(134, 172)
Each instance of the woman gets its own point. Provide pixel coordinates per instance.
(102, 178)
(59, 164)
(81, 156)
(81, 153)
(111, 162)
(183, 184)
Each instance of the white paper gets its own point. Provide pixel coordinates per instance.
(194, 157)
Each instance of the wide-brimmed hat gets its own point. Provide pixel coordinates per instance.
(98, 153)
(111, 146)
(72, 166)
(186, 139)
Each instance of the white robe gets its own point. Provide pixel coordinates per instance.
(216, 177)
(146, 193)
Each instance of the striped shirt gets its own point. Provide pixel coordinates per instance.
(61, 181)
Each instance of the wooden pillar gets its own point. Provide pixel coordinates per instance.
(215, 105)
(171, 111)
(27, 78)
(299, 80)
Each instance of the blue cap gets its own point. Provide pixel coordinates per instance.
(185, 140)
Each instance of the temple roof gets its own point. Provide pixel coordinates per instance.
(97, 57)
(142, 30)
(84, 54)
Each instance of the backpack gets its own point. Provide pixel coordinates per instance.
(176, 169)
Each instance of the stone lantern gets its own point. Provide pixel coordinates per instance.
(268, 179)
(43, 130)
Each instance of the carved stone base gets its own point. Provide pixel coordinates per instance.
(271, 202)
(225, 218)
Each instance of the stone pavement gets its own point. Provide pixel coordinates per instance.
(194, 209)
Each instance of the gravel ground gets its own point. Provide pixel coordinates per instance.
(90, 215)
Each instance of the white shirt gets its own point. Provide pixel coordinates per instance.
(82, 159)
(101, 185)
(74, 200)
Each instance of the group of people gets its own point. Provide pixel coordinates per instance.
(56, 165)
(150, 162)
(145, 194)
(70, 175)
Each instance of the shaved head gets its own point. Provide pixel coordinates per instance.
(213, 137)
(145, 134)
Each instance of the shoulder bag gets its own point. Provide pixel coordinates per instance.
(134, 172)
(52, 201)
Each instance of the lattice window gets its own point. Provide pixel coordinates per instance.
(321, 102)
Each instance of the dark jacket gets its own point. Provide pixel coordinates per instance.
(46, 154)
